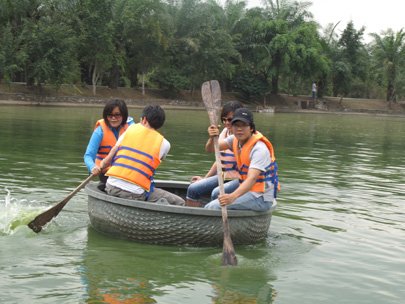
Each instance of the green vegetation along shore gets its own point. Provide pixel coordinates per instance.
(277, 48)
(68, 95)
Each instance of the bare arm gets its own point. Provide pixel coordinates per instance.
(107, 160)
(212, 171)
(212, 132)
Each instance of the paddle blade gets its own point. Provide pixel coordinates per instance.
(42, 219)
(37, 223)
(229, 257)
(211, 95)
(228, 252)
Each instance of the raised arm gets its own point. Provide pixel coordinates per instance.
(212, 132)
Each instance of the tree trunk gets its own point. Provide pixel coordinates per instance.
(390, 93)
(133, 76)
(115, 77)
(94, 78)
(143, 84)
(274, 84)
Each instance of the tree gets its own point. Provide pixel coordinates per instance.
(280, 42)
(145, 35)
(306, 59)
(94, 27)
(49, 46)
(350, 62)
(388, 53)
(9, 54)
(199, 48)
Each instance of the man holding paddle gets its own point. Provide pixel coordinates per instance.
(256, 164)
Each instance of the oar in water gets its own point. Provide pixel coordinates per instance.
(211, 95)
(40, 220)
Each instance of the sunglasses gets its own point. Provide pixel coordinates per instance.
(117, 115)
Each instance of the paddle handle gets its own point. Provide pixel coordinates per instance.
(219, 166)
(83, 183)
(211, 95)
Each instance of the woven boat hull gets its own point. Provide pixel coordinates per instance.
(172, 225)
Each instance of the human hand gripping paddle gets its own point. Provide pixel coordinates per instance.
(40, 220)
(211, 95)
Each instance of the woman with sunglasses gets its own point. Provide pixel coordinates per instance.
(106, 132)
(208, 185)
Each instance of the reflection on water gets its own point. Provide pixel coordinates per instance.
(115, 270)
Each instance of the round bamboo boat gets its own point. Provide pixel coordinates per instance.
(157, 223)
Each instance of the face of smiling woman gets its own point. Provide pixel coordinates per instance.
(115, 118)
(242, 131)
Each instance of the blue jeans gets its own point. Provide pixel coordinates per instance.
(209, 186)
(245, 202)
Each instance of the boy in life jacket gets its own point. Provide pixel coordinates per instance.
(208, 185)
(135, 158)
(256, 164)
(105, 134)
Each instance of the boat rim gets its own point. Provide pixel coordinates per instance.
(92, 191)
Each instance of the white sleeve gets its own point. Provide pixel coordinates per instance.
(259, 156)
(164, 149)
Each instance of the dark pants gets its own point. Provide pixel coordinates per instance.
(103, 180)
(156, 196)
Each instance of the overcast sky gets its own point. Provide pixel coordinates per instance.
(374, 15)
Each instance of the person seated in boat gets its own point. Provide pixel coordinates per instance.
(208, 185)
(105, 134)
(258, 183)
(135, 158)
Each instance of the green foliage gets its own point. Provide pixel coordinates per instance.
(170, 79)
(389, 61)
(9, 55)
(180, 44)
(341, 78)
(351, 49)
(50, 53)
(249, 84)
(200, 48)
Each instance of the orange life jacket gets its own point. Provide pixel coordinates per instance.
(243, 161)
(137, 157)
(228, 161)
(109, 140)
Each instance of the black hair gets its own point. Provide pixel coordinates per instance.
(253, 127)
(109, 107)
(155, 116)
(230, 106)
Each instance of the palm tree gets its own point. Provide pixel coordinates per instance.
(283, 17)
(389, 51)
(294, 12)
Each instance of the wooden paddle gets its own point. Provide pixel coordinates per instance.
(40, 220)
(211, 95)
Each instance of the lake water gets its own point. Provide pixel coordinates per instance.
(336, 237)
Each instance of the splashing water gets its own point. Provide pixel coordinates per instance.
(8, 196)
(14, 214)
